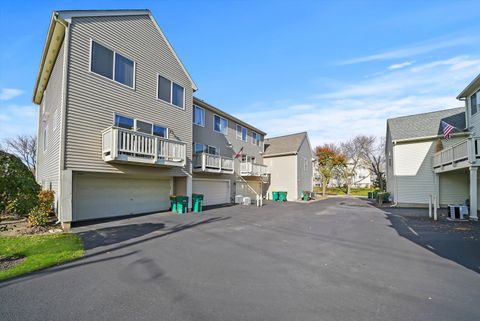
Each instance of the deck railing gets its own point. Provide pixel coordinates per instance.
(466, 150)
(253, 169)
(209, 162)
(128, 145)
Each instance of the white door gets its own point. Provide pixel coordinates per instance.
(98, 196)
(214, 191)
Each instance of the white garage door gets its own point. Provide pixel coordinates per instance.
(214, 191)
(97, 196)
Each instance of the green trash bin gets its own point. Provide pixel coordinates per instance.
(173, 203)
(374, 195)
(282, 196)
(370, 195)
(305, 196)
(197, 200)
(275, 196)
(182, 204)
(386, 197)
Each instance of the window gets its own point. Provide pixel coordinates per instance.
(45, 138)
(305, 164)
(198, 116)
(475, 102)
(170, 92)
(160, 131)
(123, 122)
(256, 139)
(124, 70)
(241, 133)
(199, 148)
(220, 124)
(112, 65)
(143, 127)
(212, 150)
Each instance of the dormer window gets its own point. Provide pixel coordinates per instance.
(475, 103)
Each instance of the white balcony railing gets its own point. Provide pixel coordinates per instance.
(466, 151)
(120, 144)
(252, 169)
(212, 163)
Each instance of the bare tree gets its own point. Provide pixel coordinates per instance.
(374, 151)
(355, 154)
(24, 147)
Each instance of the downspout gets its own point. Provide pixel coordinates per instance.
(63, 112)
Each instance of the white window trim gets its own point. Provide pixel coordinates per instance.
(257, 136)
(113, 71)
(196, 106)
(226, 128)
(477, 93)
(194, 145)
(171, 93)
(240, 137)
(217, 152)
(135, 125)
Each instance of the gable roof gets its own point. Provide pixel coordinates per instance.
(426, 125)
(204, 104)
(56, 34)
(472, 86)
(284, 145)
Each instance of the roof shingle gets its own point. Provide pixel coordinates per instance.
(288, 144)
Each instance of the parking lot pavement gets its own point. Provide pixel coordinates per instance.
(338, 259)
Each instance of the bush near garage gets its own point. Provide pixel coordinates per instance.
(18, 188)
(39, 216)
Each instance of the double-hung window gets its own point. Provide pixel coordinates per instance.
(241, 133)
(256, 139)
(212, 150)
(170, 92)
(112, 65)
(198, 116)
(220, 124)
(475, 102)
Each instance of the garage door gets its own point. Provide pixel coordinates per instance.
(214, 191)
(250, 189)
(98, 196)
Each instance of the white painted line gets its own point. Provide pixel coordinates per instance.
(430, 247)
(412, 230)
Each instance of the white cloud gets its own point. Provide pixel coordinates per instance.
(9, 93)
(400, 65)
(413, 50)
(362, 108)
(18, 119)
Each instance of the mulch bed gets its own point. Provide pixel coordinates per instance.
(8, 262)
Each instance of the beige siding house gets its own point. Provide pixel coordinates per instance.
(114, 119)
(290, 161)
(416, 170)
(217, 174)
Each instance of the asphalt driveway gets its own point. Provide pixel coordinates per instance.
(338, 259)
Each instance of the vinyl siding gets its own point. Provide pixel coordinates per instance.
(473, 120)
(283, 175)
(93, 100)
(412, 167)
(304, 177)
(48, 161)
(454, 187)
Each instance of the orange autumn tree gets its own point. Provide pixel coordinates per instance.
(328, 158)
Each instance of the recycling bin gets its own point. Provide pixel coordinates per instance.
(182, 204)
(197, 200)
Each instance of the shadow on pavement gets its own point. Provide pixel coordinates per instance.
(455, 241)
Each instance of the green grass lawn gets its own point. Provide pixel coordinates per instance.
(342, 191)
(40, 251)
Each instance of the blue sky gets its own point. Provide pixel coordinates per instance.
(333, 68)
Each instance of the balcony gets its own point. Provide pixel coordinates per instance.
(460, 155)
(124, 145)
(252, 169)
(209, 163)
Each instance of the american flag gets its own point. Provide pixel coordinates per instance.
(237, 155)
(447, 130)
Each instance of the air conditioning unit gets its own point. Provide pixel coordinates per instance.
(247, 200)
(457, 212)
(238, 199)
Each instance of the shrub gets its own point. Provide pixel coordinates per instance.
(39, 215)
(18, 188)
